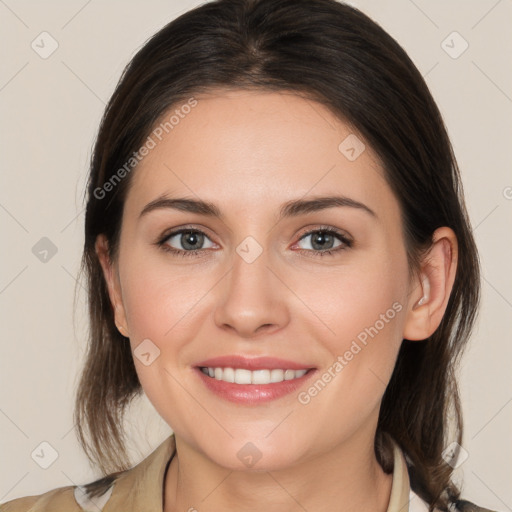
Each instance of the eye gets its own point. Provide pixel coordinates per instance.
(189, 242)
(322, 241)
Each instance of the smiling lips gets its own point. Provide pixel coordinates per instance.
(252, 380)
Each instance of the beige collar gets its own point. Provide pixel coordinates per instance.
(400, 488)
(142, 487)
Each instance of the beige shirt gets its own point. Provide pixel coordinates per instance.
(141, 489)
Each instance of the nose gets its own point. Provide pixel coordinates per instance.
(252, 300)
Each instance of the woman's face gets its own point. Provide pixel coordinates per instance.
(258, 284)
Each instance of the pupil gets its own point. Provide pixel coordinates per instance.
(321, 240)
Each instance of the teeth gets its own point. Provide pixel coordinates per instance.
(242, 376)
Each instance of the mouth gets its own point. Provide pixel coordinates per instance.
(251, 381)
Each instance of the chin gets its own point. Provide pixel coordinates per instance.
(252, 455)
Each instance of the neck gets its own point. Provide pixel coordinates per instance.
(346, 479)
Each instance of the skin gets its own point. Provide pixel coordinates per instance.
(249, 152)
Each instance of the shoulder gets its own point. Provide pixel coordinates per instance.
(56, 499)
(63, 499)
(467, 506)
(416, 504)
(137, 488)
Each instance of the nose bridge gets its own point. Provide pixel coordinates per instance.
(251, 296)
(251, 267)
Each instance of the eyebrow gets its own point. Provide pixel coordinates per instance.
(292, 208)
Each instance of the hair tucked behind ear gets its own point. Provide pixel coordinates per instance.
(334, 54)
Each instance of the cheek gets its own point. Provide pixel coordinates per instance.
(156, 294)
(362, 311)
(355, 302)
(162, 306)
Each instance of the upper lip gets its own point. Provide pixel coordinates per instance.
(252, 363)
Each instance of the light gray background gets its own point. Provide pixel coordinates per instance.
(50, 113)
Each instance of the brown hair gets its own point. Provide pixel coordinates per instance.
(334, 54)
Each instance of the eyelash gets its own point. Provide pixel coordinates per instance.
(347, 243)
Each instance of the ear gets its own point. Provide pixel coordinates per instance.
(429, 293)
(111, 276)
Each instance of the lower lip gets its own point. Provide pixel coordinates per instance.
(250, 394)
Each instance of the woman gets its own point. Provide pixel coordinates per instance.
(279, 256)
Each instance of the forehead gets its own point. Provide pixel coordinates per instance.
(247, 149)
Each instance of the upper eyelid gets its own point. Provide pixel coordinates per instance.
(329, 229)
(180, 229)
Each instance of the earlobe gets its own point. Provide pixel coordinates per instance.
(431, 291)
(112, 281)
